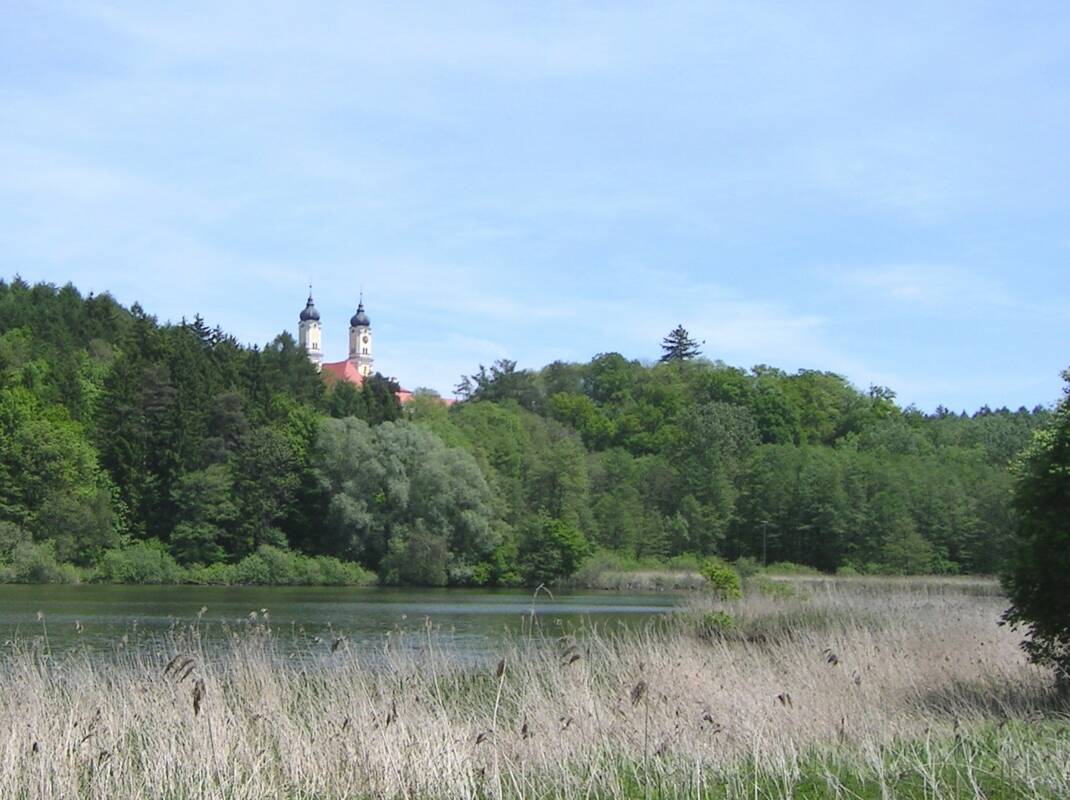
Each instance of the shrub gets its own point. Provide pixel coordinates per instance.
(723, 580)
(211, 575)
(717, 623)
(35, 562)
(284, 567)
(140, 562)
(848, 571)
(273, 566)
(252, 570)
(332, 572)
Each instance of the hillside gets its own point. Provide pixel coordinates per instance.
(135, 450)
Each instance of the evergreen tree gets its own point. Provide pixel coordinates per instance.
(679, 346)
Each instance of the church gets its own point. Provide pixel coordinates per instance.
(358, 365)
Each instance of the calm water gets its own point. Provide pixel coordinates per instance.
(98, 617)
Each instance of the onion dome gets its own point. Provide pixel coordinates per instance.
(310, 313)
(360, 319)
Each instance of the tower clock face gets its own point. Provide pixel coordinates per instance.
(364, 339)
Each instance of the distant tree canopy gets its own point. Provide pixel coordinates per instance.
(116, 429)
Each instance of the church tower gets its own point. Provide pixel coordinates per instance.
(309, 332)
(360, 341)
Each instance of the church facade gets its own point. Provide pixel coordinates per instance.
(358, 365)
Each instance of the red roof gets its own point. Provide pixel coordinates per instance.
(346, 370)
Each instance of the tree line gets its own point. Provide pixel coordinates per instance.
(122, 436)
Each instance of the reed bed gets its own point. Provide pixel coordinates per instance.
(838, 690)
(643, 580)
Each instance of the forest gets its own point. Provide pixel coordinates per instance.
(138, 451)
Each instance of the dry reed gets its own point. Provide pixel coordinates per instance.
(866, 678)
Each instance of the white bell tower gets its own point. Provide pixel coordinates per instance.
(360, 340)
(309, 332)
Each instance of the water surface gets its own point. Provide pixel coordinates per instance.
(471, 620)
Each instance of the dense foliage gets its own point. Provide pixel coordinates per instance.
(1038, 580)
(130, 447)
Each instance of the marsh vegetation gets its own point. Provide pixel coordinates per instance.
(805, 687)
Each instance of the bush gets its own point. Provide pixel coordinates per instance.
(140, 562)
(211, 575)
(723, 580)
(848, 571)
(256, 570)
(332, 572)
(715, 624)
(35, 562)
(273, 566)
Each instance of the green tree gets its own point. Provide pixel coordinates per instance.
(50, 481)
(381, 402)
(679, 346)
(550, 549)
(1038, 581)
(266, 473)
(503, 381)
(345, 400)
(581, 413)
(208, 514)
(416, 558)
(393, 486)
(80, 524)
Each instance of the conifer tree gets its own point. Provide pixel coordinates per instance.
(679, 346)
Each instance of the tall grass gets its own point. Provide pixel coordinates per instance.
(606, 569)
(872, 690)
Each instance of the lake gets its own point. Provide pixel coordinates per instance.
(98, 617)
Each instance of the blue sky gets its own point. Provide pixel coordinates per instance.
(881, 190)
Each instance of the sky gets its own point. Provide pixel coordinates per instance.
(880, 190)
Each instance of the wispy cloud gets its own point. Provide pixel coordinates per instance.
(933, 288)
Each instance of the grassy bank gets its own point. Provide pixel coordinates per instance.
(839, 689)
